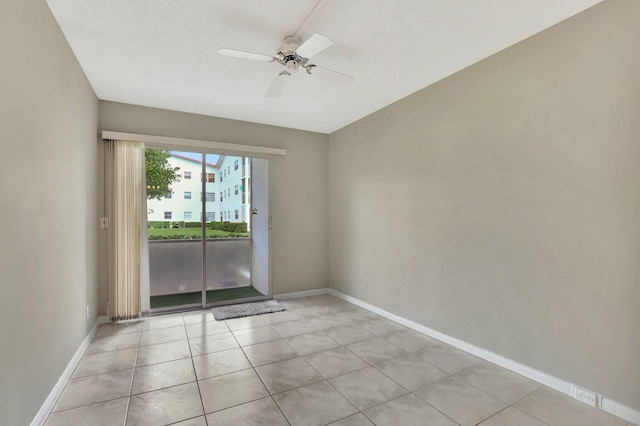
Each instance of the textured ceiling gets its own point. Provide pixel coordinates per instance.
(163, 53)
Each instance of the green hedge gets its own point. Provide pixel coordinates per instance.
(155, 224)
(229, 226)
(158, 224)
(219, 226)
(192, 237)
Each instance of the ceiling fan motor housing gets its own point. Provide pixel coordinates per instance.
(289, 45)
(287, 56)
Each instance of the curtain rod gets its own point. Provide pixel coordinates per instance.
(217, 147)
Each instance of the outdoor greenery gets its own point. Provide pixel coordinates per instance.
(173, 224)
(220, 226)
(196, 297)
(180, 230)
(228, 226)
(190, 234)
(160, 174)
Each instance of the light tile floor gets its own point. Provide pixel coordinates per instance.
(322, 361)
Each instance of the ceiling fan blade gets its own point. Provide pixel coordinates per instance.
(245, 55)
(314, 45)
(277, 85)
(330, 75)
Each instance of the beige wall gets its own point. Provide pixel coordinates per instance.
(499, 206)
(502, 206)
(48, 182)
(299, 191)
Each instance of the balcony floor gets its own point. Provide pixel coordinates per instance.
(196, 297)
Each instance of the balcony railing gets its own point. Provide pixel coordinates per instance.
(175, 266)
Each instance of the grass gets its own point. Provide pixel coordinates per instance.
(196, 297)
(190, 234)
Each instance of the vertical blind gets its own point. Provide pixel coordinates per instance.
(128, 209)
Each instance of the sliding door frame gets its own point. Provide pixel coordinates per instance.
(207, 147)
(203, 230)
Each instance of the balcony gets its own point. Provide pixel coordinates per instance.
(176, 271)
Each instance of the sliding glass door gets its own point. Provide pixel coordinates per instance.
(199, 229)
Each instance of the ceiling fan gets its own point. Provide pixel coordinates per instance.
(294, 54)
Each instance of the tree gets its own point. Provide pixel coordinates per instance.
(160, 174)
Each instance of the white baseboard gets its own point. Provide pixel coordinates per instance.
(299, 294)
(608, 405)
(47, 406)
(620, 410)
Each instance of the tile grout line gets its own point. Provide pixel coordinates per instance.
(260, 378)
(232, 372)
(372, 365)
(133, 374)
(449, 375)
(369, 365)
(331, 384)
(530, 394)
(90, 375)
(164, 362)
(303, 357)
(527, 414)
(195, 375)
(104, 372)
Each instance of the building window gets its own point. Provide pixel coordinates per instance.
(208, 196)
(228, 170)
(237, 215)
(187, 215)
(210, 177)
(167, 215)
(236, 164)
(169, 195)
(236, 189)
(221, 197)
(221, 177)
(211, 216)
(187, 195)
(187, 175)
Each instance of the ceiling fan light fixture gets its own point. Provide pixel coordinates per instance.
(292, 66)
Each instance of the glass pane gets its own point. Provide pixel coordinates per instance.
(228, 215)
(174, 227)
